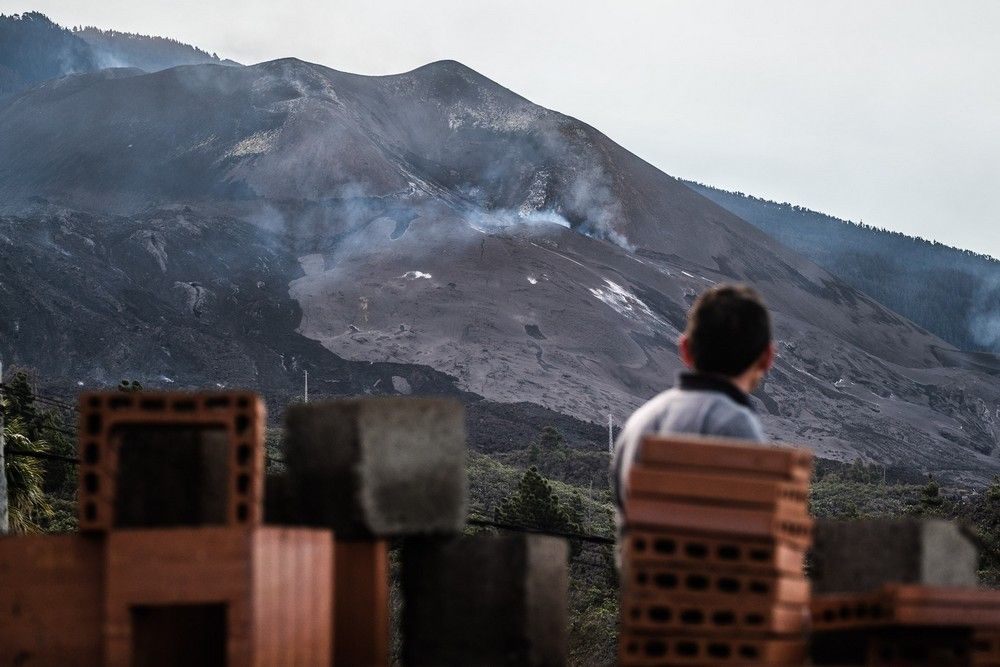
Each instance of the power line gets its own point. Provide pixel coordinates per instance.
(594, 539)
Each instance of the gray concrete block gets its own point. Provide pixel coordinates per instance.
(857, 556)
(379, 466)
(485, 600)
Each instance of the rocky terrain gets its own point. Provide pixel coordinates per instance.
(426, 232)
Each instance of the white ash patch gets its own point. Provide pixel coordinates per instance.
(625, 303)
(533, 280)
(401, 385)
(256, 144)
(416, 275)
(312, 265)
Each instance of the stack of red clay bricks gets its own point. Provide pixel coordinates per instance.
(712, 566)
(172, 565)
(902, 624)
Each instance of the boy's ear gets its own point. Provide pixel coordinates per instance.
(766, 360)
(684, 350)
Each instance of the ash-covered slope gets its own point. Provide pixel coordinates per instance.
(440, 220)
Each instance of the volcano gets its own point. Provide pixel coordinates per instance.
(427, 232)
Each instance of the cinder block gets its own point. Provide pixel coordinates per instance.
(379, 467)
(485, 600)
(218, 595)
(51, 600)
(160, 459)
(859, 556)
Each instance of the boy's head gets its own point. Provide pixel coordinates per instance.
(729, 334)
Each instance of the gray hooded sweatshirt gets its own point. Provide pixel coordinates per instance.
(699, 405)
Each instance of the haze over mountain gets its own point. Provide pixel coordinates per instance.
(430, 231)
(953, 293)
(34, 49)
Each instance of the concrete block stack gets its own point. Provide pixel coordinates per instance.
(372, 469)
(715, 534)
(900, 592)
(390, 468)
(172, 565)
(485, 601)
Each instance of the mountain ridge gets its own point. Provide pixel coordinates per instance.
(430, 219)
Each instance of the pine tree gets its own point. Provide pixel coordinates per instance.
(931, 500)
(534, 505)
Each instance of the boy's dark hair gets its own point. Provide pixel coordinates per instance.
(728, 329)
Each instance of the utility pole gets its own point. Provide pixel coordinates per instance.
(4, 520)
(305, 391)
(611, 433)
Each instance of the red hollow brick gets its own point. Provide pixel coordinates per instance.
(640, 650)
(741, 554)
(361, 610)
(103, 416)
(672, 614)
(751, 590)
(711, 455)
(50, 600)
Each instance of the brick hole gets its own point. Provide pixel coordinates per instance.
(829, 615)
(243, 483)
(632, 647)
(861, 611)
(660, 614)
(981, 646)
(216, 402)
(696, 582)
(719, 650)
(95, 401)
(656, 648)
(90, 511)
(639, 544)
(242, 424)
(90, 483)
(666, 580)
(636, 613)
(759, 587)
(242, 512)
(686, 648)
(914, 653)
(696, 550)
(642, 578)
(760, 554)
(728, 552)
(665, 546)
(692, 616)
(749, 651)
(243, 402)
(728, 585)
(845, 612)
(94, 423)
(185, 405)
(723, 618)
(243, 454)
(153, 404)
(876, 611)
(754, 619)
(120, 402)
(91, 453)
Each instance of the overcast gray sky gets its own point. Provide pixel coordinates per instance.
(886, 112)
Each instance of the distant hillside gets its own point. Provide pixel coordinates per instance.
(34, 49)
(950, 292)
(124, 49)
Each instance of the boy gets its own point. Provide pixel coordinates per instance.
(727, 347)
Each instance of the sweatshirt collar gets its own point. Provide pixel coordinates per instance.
(694, 381)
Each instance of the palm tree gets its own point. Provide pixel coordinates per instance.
(26, 500)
